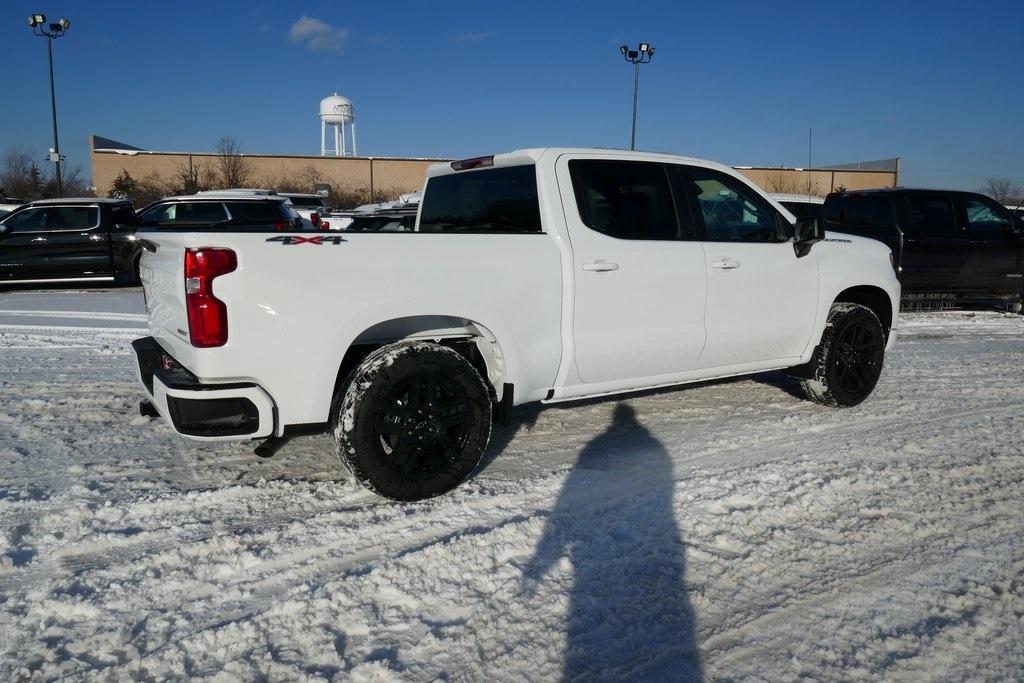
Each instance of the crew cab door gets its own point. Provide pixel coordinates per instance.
(934, 249)
(994, 247)
(762, 299)
(76, 245)
(638, 273)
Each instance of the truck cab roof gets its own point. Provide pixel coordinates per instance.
(533, 155)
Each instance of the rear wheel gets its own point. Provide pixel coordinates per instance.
(848, 361)
(413, 421)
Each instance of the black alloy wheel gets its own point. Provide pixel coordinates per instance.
(413, 420)
(858, 357)
(424, 425)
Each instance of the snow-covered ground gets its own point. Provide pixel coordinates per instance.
(729, 530)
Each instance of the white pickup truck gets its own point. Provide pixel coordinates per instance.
(537, 275)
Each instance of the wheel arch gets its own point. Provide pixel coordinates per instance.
(874, 298)
(470, 338)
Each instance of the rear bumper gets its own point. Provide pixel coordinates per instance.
(208, 412)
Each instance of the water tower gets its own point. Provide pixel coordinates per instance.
(336, 111)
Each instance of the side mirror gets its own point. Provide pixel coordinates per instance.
(808, 232)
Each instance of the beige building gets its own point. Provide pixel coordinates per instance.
(864, 175)
(109, 158)
(394, 175)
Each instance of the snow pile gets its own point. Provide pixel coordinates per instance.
(729, 530)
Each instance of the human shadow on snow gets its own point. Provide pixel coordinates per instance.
(629, 613)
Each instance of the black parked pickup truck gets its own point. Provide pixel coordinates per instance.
(951, 245)
(74, 240)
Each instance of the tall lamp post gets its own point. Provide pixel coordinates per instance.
(641, 55)
(37, 22)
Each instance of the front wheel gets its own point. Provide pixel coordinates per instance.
(413, 421)
(848, 361)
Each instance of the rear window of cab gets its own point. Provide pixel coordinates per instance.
(499, 200)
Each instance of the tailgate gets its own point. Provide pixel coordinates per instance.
(162, 271)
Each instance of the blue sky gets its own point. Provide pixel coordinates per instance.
(939, 83)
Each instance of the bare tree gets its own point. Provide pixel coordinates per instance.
(999, 189)
(191, 177)
(234, 169)
(792, 185)
(22, 178)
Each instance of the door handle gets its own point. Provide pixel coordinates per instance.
(39, 239)
(725, 264)
(600, 266)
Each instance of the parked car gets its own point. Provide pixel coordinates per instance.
(1017, 211)
(8, 204)
(306, 204)
(73, 239)
(800, 205)
(395, 216)
(959, 245)
(538, 275)
(229, 210)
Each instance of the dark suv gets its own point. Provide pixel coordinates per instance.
(229, 212)
(951, 244)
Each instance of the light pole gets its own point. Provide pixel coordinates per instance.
(641, 55)
(37, 22)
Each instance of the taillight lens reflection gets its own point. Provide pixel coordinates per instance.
(207, 315)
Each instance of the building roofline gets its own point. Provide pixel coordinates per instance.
(123, 152)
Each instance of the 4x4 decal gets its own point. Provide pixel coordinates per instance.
(315, 239)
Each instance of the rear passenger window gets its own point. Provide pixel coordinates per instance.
(186, 213)
(630, 200)
(868, 212)
(255, 212)
(732, 211)
(73, 218)
(498, 200)
(930, 214)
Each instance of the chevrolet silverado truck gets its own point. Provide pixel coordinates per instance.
(537, 275)
(70, 240)
(947, 245)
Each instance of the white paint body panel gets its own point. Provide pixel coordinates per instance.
(665, 316)
(760, 304)
(638, 306)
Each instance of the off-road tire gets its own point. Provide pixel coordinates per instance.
(848, 362)
(413, 421)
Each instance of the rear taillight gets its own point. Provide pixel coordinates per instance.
(314, 218)
(207, 315)
(281, 226)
